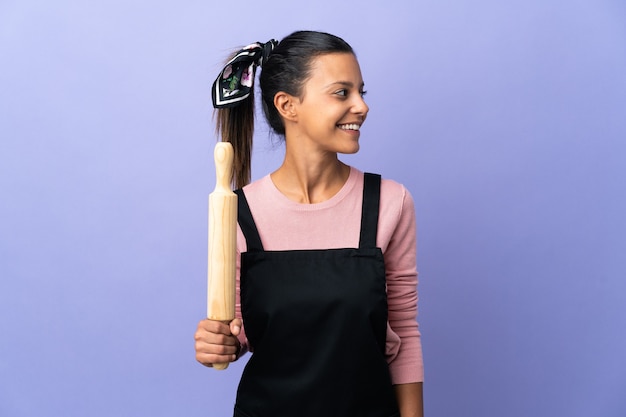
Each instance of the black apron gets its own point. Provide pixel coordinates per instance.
(317, 321)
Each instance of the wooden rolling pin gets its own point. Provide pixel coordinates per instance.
(222, 241)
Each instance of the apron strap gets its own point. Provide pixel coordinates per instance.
(369, 216)
(246, 222)
(369, 213)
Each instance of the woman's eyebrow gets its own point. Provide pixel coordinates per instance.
(345, 84)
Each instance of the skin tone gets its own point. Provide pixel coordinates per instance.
(320, 124)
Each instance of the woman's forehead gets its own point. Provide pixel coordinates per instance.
(336, 68)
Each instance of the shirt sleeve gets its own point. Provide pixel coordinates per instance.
(404, 347)
(241, 247)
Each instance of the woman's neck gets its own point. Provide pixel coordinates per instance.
(310, 179)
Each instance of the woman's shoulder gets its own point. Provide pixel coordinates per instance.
(390, 189)
(395, 198)
(393, 188)
(262, 187)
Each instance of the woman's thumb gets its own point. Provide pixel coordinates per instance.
(235, 326)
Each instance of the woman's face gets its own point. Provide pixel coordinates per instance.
(331, 110)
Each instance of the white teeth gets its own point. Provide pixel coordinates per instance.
(352, 126)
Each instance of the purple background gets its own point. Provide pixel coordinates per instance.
(506, 120)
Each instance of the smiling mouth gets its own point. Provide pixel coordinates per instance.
(350, 126)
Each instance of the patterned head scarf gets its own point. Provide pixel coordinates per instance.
(235, 81)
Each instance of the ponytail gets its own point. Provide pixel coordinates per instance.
(236, 125)
(233, 97)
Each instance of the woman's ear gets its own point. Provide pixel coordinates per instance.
(286, 104)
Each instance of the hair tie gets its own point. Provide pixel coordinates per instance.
(235, 81)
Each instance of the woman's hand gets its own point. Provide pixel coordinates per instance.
(216, 342)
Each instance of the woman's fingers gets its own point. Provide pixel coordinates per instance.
(214, 343)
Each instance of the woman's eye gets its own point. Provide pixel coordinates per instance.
(344, 93)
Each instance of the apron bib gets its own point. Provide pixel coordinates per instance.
(317, 322)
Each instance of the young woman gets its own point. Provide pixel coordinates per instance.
(327, 297)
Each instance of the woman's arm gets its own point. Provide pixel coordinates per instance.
(410, 399)
(400, 262)
(399, 234)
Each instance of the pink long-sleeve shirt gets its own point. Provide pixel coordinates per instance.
(335, 223)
